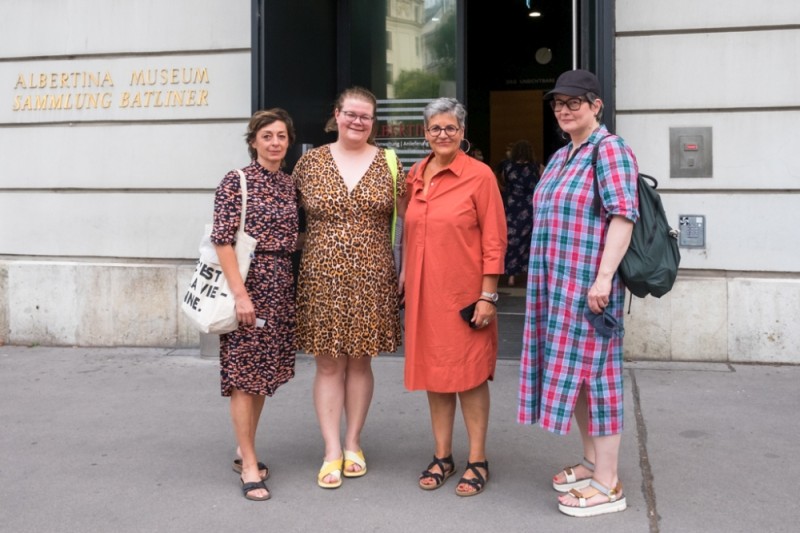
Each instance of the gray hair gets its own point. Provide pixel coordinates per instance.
(592, 98)
(446, 105)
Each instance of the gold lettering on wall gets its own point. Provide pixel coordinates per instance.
(173, 76)
(189, 98)
(63, 101)
(63, 80)
(173, 87)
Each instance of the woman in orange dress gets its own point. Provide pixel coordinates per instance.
(454, 246)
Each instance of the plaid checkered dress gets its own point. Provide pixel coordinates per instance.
(560, 348)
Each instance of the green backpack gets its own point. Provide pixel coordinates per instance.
(650, 265)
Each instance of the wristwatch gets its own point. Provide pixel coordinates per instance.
(493, 296)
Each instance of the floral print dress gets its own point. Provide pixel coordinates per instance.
(258, 360)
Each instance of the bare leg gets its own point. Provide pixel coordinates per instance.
(602, 451)
(359, 384)
(443, 412)
(582, 419)
(244, 406)
(258, 406)
(329, 403)
(475, 408)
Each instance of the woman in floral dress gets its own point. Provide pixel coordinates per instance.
(519, 176)
(259, 356)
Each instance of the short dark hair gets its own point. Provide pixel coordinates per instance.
(522, 151)
(265, 118)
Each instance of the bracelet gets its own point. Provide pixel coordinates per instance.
(490, 301)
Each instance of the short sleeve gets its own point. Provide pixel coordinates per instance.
(617, 178)
(227, 210)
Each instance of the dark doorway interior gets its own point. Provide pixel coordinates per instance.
(295, 64)
(512, 59)
(306, 51)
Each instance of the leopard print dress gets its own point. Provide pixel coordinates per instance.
(347, 300)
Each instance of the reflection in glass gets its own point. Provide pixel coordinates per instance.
(421, 48)
(420, 66)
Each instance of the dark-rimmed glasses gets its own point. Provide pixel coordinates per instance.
(448, 130)
(352, 117)
(573, 104)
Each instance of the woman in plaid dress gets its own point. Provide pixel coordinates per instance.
(568, 367)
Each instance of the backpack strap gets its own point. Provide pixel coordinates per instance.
(391, 160)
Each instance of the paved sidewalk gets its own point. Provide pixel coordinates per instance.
(139, 440)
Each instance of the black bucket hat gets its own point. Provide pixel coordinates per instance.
(575, 83)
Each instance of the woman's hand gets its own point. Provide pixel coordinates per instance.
(599, 293)
(617, 240)
(401, 287)
(484, 313)
(301, 241)
(245, 311)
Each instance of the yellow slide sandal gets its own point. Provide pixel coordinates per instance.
(354, 459)
(333, 468)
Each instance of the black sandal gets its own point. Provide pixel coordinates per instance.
(478, 482)
(237, 467)
(438, 478)
(247, 488)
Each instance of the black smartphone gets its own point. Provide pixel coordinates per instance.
(467, 313)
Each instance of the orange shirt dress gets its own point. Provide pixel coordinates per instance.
(453, 236)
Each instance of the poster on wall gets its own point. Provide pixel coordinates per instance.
(400, 127)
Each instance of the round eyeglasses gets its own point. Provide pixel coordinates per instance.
(352, 117)
(448, 130)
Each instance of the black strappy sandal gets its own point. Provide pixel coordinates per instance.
(436, 476)
(478, 482)
(247, 488)
(237, 467)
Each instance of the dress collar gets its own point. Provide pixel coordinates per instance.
(456, 166)
(263, 171)
(593, 138)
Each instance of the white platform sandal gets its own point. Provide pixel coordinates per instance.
(614, 504)
(572, 482)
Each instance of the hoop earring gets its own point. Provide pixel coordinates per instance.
(469, 145)
(426, 145)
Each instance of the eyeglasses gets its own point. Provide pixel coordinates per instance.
(448, 130)
(573, 104)
(604, 323)
(352, 117)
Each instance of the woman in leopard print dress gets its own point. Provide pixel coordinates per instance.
(347, 303)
